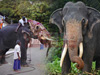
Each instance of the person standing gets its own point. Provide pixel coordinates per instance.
(17, 56)
(1, 23)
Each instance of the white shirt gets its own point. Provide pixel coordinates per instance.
(22, 21)
(17, 49)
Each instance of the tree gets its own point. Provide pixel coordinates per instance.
(22, 9)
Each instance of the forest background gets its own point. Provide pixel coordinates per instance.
(39, 10)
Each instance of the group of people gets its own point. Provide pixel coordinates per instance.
(2, 21)
(17, 51)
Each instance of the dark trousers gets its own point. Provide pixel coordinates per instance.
(16, 65)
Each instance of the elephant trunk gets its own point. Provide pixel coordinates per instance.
(73, 38)
(79, 61)
(73, 54)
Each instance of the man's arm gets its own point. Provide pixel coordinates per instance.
(26, 20)
(19, 25)
(18, 55)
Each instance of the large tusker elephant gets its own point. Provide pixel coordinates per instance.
(81, 27)
(8, 38)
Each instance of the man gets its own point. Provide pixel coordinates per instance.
(17, 56)
(1, 24)
(22, 22)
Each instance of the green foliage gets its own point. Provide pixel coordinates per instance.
(54, 53)
(54, 67)
(53, 61)
(93, 66)
(93, 3)
(22, 9)
(59, 3)
(7, 11)
(40, 11)
(74, 70)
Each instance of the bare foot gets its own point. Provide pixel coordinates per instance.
(16, 70)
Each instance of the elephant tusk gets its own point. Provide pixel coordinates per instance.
(43, 38)
(49, 39)
(63, 55)
(81, 49)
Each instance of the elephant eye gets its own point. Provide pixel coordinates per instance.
(83, 21)
(63, 22)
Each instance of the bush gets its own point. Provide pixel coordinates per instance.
(39, 11)
(54, 67)
(53, 61)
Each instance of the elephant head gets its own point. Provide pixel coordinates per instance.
(25, 34)
(39, 30)
(75, 20)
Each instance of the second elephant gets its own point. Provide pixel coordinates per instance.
(81, 27)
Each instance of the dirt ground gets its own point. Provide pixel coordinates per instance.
(36, 60)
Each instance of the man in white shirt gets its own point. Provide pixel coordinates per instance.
(17, 56)
(22, 22)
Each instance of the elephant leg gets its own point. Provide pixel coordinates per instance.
(66, 66)
(1, 55)
(3, 61)
(49, 46)
(0, 58)
(88, 55)
(47, 51)
(23, 56)
(87, 65)
(98, 64)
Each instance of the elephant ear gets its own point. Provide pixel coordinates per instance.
(56, 18)
(94, 18)
(25, 34)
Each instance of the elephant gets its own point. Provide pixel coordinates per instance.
(8, 38)
(42, 34)
(80, 25)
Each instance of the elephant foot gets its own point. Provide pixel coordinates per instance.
(98, 68)
(24, 64)
(0, 64)
(4, 62)
(65, 74)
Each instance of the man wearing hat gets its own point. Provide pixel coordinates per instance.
(22, 22)
(17, 56)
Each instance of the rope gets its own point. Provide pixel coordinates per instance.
(33, 68)
(30, 65)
